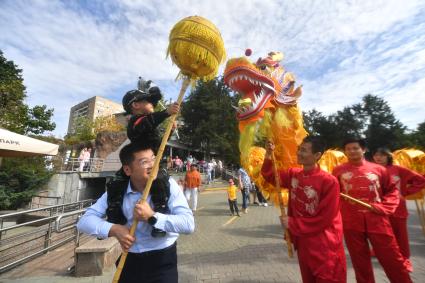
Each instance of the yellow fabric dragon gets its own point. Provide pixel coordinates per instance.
(267, 110)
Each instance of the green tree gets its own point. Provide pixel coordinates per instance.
(86, 130)
(335, 128)
(371, 119)
(12, 95)
(417, 137)
(316, 123)
(83, 131)
(347, 123)
(209, 120)
(381, 128)
(20, 178)
(15, 115)
(107, 124)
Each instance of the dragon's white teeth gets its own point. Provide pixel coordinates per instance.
(269, 87)
(247, 78)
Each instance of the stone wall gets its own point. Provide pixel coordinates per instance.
(108, 142)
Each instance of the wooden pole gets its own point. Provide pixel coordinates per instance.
(362, 203)
(152, 176)
(282, 208)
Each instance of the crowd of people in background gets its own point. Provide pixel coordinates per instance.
(84, 159)
(190, 183)
(212, 167)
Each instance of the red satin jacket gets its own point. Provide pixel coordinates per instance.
(407, 182)
(313, 202)
(368, 182)
(314, 219)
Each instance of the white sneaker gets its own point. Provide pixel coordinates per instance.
(265, 204)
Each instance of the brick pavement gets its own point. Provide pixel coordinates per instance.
(244, 250)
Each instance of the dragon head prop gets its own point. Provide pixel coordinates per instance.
(260, 85)
(255, 86)
(267, 110)
(286, 93)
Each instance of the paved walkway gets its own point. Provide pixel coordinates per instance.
(246, 249)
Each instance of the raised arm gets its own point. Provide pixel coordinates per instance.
(390, 195)
(267, 169)
(149, 122)
(410, 181)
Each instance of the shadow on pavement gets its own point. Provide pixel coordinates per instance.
(198, 266)
(260, 231)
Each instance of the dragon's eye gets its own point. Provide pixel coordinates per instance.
(263, 67)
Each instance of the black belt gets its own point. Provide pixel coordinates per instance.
(154, 252)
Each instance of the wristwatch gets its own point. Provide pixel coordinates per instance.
(152, 220)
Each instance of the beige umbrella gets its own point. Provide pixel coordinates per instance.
(15, 145)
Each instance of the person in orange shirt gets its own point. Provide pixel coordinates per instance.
(193, 184)
(232, 198)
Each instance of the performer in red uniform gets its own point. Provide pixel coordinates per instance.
(407, 182)
(369, 183)
(314, 219)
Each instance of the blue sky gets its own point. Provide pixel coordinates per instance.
(339, 50)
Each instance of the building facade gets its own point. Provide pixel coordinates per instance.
(92, 108)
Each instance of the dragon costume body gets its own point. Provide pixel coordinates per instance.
(267, 110)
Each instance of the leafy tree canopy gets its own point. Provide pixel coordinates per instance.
(417, 137)
(15, 115)
(371, 119)
(20, 178)
(209, 120)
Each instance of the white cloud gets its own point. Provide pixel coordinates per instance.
(392, 66)
(339, 50)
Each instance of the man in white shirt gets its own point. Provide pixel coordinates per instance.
(151, 259)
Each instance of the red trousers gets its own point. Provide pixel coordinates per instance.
(399, 226)
(321, 261)
(386, 251)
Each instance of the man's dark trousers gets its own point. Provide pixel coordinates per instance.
(159, 266)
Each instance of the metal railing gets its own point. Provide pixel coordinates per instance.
(229, 173)
(76, 165)
(37, 201)
(22, 242)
